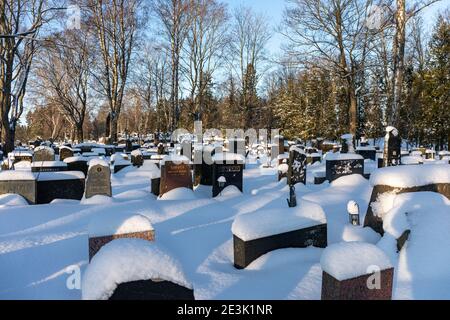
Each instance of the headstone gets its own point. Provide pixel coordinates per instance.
(392, 145)
(297, 167)
(340, 165)
(59, 185)
(137, 159)
(23, 184)
(48, 166)
(229, 166)
(129, 146)
(161, 149)
(43, 154)
(369, 153)
(347, 144)
(175, 173)
(64, 153)
(98, 181)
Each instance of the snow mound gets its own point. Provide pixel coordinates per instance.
(127, 260)
(97, 200)
(231, 191)
(9, 175)
(178, 194)
(283, 168)
(348, 260)
(352, 207)
(75, 159)
(113, 223)
(360, 234)
(260, 224)
(412, 160)
(349, 181)
(177, 159)
(12, 200)
(411, 176)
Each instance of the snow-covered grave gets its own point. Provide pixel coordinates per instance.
(356, 271)
(367, 152)
(134, 269)
(98, 181)
(109, 226)
(48, 166)
(228, 170)
(137, 158)
(343, 164)
(120, 161)
(43, 187)
(404, 179)
(257, 233)
(77, 163)
(65, 153)
(18, 156)
(43, 153)
(175, 173)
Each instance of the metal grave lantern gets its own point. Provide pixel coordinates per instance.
(353, 213)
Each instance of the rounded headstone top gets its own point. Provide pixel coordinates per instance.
(116, 223)
(98, 162)
(348, 260)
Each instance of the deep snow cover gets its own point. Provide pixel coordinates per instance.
(411, 176)
(118, 223)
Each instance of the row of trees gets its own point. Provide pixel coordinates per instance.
(145, 66)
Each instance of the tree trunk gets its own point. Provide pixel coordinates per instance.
(353, 110)
(10, 134)
(80, 136)
(113, 126)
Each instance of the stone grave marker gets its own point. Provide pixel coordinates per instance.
(392, 145)
(64, 153)
(297, 167)
(43, 154)
(340, 165)
(175, 173)
(230, 167)
(98, 180)
(137, 158)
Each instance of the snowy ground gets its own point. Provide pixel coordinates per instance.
(39, 243)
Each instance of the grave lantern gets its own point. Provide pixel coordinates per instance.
(222, 181)
(353, 213)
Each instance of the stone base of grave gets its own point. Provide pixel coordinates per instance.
(118, 168)
(356, 288)
(376, 223)
(368, 154)
(367, 176)
(49, 169)
(49, 190)
(155, 186)
(96, 243)
(319, 180)
(25, 188)
(152, 290)
(245, 252)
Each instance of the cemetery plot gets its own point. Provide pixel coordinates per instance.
(228, 170)
(175, 173)
(98, 181)
(340, 165)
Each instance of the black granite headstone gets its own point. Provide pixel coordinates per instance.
(233, 172)
(297, 167)
(392, 145)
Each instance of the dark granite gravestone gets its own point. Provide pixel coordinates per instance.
(203, 171)
(98, 181)
(357, 288)
(186, 149)
(340, 166)
(43, 154)
(128, 146)
(161, 149)
(155, 185)
(175, 175)
(148, 290)
(392, 145)
(77, 164)
(369, 153)
(59, 185)
(297, 167)
(245, 252)
(64, 153)
(231, 168)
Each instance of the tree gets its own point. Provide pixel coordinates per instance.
(249, 36)
(115, 24)
(20, 24)
(63, 76)
(175, 17)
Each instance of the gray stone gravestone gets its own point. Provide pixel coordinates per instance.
(43, 154)
(64, 153)
(98, 181)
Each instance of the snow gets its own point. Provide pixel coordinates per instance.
(98, 161)
(283, 168)
(115, 223)
(392, 130)
(44, 148)
(262, 224)
(38, 244)
(49, 164)
(178, 194)
(9, 175)
(409, 160)
(352, 207)
(177, 159)
(411, 176)
(22, 165)
(350, 260)
(136, 153)
(343, 156)
(75, 159)
(12, 200)
(62, 175)
(127, 260)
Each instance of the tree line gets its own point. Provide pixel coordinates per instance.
(106, 67)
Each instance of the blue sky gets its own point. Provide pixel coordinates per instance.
(273, 9)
